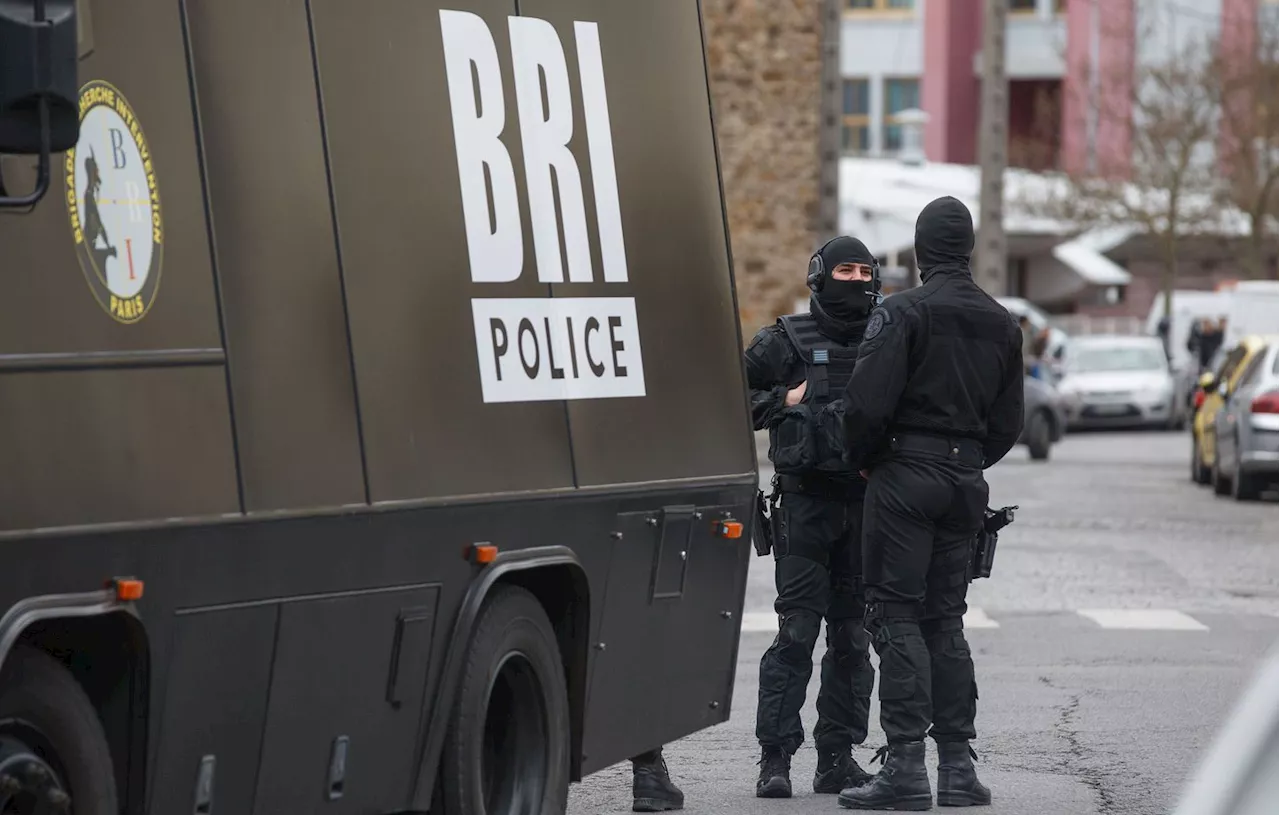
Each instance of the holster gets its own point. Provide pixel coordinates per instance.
(984, 543)
(766, 518)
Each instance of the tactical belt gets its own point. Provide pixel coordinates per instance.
(966, 451)
(816, 486)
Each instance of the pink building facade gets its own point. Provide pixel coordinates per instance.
(1070, 65)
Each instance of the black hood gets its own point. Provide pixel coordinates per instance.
(842, 306)
(944, 236)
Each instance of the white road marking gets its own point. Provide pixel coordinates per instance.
(755, 621)
(1143, 619)
(977, 618)
(767, 621)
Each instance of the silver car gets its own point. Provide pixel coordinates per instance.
(1118, 381)
(1045, 417)
(1246, 456)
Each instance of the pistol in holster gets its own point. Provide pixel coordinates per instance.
(766, 517)
(984, 547)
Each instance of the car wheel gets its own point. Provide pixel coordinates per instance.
(1245, 487)
(1038, 436)
(1199, 472)
(1221, 483)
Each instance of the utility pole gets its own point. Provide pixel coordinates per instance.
(829, 117)
(991, 267)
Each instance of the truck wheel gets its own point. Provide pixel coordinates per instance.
(1038, 436)
(53, 752)
(507, 749)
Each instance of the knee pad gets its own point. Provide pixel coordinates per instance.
(798, 633)
(847, 637)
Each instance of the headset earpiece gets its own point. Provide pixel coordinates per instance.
(816, 272)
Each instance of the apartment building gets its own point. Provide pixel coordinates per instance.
(898, 55)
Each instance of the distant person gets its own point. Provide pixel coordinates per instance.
(1205, 340)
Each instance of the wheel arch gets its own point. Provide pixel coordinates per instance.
(104, 645)
(556, 578)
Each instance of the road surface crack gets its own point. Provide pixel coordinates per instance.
(1066, 727)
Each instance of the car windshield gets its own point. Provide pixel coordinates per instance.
(1118, 358)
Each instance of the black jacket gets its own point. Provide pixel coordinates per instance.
(944, 359)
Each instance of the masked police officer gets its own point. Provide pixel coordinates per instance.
(797, 370)
(935, 398)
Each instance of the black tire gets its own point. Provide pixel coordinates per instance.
(1199, 473)
(1221, 484)
(1245, 487)
(44, 711)
(507, 749)
(1039, 436)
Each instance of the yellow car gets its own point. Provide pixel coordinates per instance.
(1214, 388)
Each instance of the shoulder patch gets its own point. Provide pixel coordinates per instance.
(875, 324)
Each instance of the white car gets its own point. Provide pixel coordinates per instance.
(1118, 381)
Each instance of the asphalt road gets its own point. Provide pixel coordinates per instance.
(1127, 611)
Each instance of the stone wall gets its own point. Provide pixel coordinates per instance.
(765, 62)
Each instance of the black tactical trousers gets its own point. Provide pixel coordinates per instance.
(922, 514)
(817, 570)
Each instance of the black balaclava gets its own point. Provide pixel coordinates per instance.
(842, 306)
(944, 237)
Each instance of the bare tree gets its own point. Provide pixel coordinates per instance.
(1249, 89)
(1165, 184)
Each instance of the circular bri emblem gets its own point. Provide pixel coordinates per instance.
(114, 203)
(874, 325)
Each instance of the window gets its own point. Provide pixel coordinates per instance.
(856, 121)
(883, 6)
(899, 95)
(1022, 6)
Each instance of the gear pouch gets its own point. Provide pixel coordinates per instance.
(792, 447)
(829, 447)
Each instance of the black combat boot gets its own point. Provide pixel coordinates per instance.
(651, 787)
(837, 770)
(958, 784)
(902, 783)
(775, 774)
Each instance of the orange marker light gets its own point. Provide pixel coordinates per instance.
(484, 553)
(729, 529)
(128, 589)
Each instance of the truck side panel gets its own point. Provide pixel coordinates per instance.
(427, 430)
(277, 262)
(693, 419)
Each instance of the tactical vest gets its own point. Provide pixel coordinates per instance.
(810, 436)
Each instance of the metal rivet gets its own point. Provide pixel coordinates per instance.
(616, 535)
(684, 555)
(715, 705)
(697, 516)
(955, 450)
(651, 521)
(599, 646)
(728, 615)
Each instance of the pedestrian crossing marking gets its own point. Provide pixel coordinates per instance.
(754, 621)
(767, 621)
(1143, 619)
(977, 618)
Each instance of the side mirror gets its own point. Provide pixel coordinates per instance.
(1222, 390)
(39, 57)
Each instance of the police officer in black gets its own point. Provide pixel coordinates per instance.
(797, 371)
(935, 398)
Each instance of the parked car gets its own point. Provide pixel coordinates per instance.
(1118, 381)
(1021, 307)
(1245, 452)
(1046, 417)
(1214, 389)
